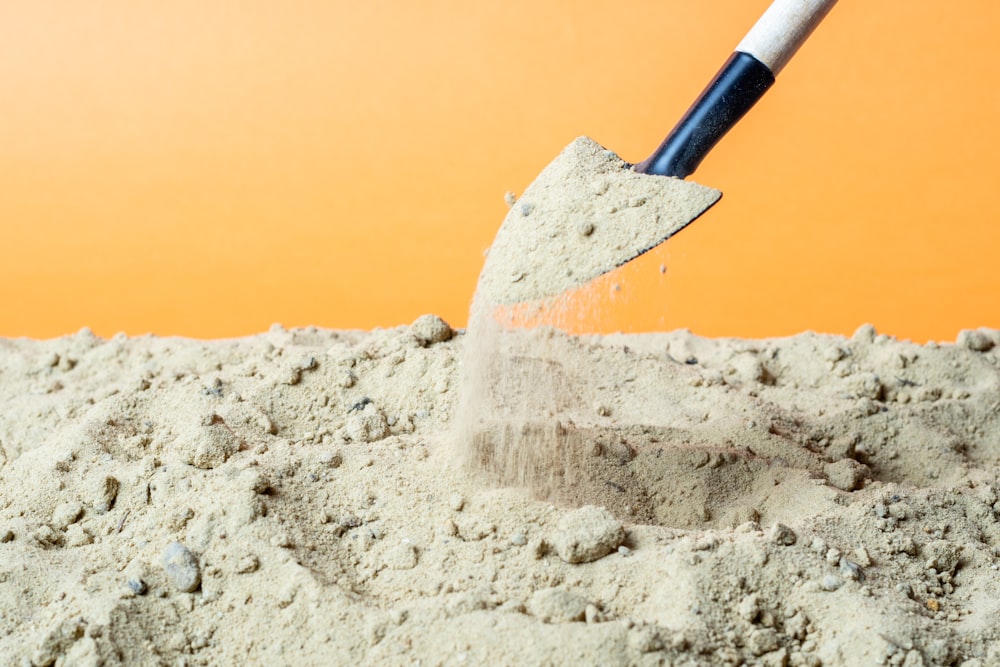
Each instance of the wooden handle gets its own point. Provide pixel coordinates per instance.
(782, 29)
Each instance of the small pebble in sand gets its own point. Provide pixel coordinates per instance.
(831, 582)
(181, 567)
(782, 534)
(851, 570)
(586, 534)
(6, 535)
(975, 340)
(136, 585)
(430, 329)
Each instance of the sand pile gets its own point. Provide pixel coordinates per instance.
(504, 496)
(290, 498)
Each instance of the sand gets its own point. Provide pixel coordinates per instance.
(585, 214)
(504, 496)
(292, 498)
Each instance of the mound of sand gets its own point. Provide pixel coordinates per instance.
(294, 498)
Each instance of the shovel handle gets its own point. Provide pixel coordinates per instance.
(783, 28)
(743, 80)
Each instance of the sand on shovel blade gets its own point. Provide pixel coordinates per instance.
(587, 213)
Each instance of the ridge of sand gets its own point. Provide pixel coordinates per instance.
(802, 501)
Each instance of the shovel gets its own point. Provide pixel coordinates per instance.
(589, 212)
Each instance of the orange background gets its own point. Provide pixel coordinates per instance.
(208, 168)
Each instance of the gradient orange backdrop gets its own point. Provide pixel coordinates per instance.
(208, 168)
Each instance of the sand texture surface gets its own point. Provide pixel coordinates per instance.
(300, 497)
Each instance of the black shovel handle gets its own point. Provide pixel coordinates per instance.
(743, 80)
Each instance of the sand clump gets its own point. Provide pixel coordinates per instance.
(732, 538)
(587, 534)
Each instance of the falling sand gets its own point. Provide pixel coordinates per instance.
(526, 416)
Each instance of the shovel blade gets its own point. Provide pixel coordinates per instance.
(587, 213)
